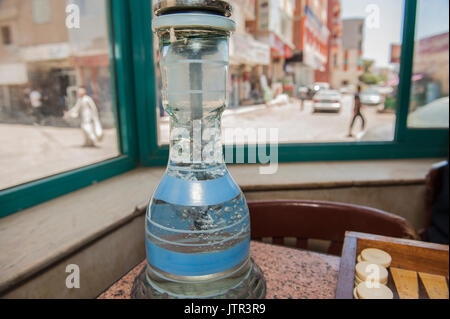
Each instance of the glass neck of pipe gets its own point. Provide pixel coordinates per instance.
(194, 71)
(196, 151)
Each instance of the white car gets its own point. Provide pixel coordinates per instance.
(327, 100)
(432, 115)
(321, 86)
(349, 89)
(371, 96)
(384, 90)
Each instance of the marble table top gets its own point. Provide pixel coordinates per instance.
(290, 274)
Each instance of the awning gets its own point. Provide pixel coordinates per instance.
(394, 81)
(260, 53)
(45, 52)
(244, 49)
(297, 57)
(239, 48)
(101, 60)
(276, 46)
(288, 52)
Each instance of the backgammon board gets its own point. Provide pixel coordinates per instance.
(418, 270)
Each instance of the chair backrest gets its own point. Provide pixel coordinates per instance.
(322, 220)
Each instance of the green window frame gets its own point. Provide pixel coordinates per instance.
(135, 96)
(407, 143)
(24, 196)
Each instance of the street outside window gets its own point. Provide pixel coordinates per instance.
(317, 71)
(56, 89)
(429, 107)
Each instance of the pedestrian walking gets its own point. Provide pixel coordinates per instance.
(87, 111)
(303, 91)
(36, 103)
(357, 112)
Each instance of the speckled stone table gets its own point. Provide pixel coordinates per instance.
(289, 273)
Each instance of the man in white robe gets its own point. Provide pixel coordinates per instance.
(87, 111)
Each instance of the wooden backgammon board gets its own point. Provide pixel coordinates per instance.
(418, 270)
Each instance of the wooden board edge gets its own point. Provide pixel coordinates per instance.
(398, 241)
(346, 277)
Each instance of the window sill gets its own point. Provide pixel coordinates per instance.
(37, 238)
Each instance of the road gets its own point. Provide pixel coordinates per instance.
(297, 126)
(29, 152)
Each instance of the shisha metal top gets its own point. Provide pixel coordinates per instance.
(220, 7)
(197, 223)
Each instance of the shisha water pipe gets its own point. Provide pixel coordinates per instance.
(197, 222)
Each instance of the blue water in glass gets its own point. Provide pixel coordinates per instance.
(200, 250)
(198, 240)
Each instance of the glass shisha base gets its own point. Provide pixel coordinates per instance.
(245, 281)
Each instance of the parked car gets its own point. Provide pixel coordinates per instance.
(384, 90)
(371, 96)
(316, 87)
(432, 115)
(327, 100)
(349, 89)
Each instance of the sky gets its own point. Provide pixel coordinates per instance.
(432, 19)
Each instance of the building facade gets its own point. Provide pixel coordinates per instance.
(33, 35)
(39, 52)
(431, 63)
(273, 26)
(248, 57)
(349, 66)
(311, 37)
(334, 24)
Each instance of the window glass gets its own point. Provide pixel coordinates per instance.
(56, 106)
(429, 106)
(6, 35)
(284, 53)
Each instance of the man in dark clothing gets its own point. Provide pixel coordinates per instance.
(357, 112)
(438, 231)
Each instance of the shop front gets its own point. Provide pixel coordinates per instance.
(249, 60)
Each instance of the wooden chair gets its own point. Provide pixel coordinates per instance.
(321, 220)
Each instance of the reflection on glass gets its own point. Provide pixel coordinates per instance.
(429, 107)
(56, 108)
(297, 65)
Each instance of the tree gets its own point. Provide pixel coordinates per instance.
(367, 65)
(368, 77)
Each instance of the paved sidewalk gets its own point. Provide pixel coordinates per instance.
(29, 152)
